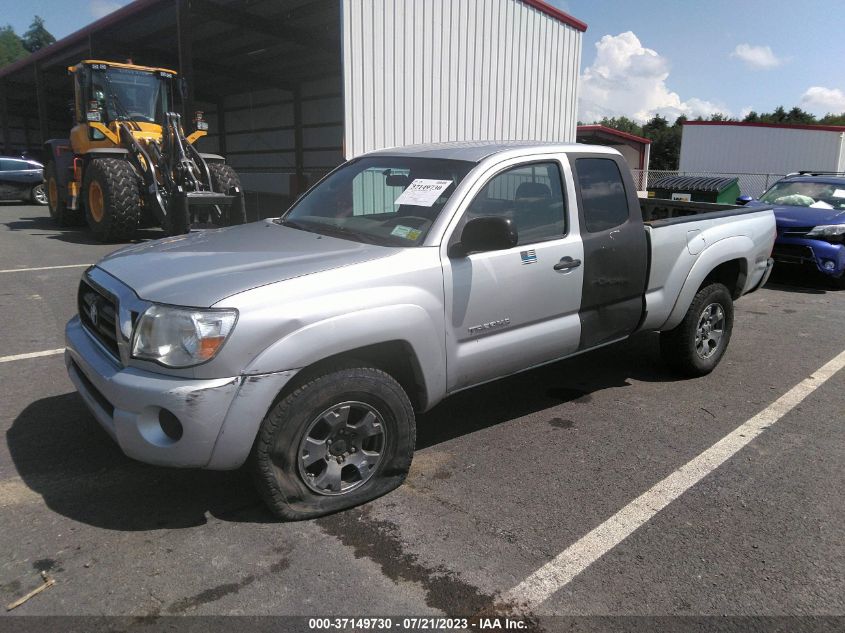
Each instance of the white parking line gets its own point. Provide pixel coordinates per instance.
(561, 570)
(49, 352)
(24, 270)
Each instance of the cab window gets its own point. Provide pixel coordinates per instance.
(603, 198)
(531, 196)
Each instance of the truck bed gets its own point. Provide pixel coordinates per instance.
(680, 233)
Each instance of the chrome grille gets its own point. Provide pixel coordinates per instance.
(98, 313)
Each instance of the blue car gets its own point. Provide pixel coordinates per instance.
(810, 215)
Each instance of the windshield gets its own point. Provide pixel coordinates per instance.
(818, 195)
(385, 200)
(137, 95)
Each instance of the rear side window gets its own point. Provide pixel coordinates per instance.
(605, 204)
(531, 196)
(7, 164)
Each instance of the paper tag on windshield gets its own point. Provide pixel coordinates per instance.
(839, 193)
(406, 231)
(423, 192)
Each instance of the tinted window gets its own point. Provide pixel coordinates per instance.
(7, 164)
(531, 196)
(602, 193)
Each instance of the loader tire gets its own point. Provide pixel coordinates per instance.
(58, 209)
(223, 179)
(112, 198)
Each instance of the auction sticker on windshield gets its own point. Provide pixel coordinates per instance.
(423, 192)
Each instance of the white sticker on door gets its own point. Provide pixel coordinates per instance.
(423, 192)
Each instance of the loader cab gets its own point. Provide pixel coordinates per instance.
(107, 92)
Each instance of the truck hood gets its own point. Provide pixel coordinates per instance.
(789, 216)
(204, 267)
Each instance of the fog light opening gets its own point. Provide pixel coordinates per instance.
(170, 424)
(828, 264)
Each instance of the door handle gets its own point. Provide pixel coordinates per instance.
(567, 263)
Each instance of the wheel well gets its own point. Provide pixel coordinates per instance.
(731, 274)
(396, 358)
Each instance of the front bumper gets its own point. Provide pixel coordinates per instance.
(817, 253)
(219, 418)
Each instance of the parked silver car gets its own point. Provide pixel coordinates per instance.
(22, 179)
(305, 344)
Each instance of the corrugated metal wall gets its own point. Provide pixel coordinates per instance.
(420, 71)
(752, 149)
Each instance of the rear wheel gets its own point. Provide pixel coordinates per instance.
(58, 209)
(697, 344)
(342, 438)
(38, 195)
(223, 180)
(112, 199)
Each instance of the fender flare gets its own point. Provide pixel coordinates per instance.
(728, 249)
(406, 323)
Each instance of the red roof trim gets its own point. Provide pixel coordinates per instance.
(613, 132)
(557, 14)
(782, 126)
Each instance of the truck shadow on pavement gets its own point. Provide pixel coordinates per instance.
(62, 454)
(46, 227)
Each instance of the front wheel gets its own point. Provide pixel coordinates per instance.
(342, 438)
(112, 198)
(697, 344)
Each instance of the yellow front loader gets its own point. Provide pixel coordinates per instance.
(128, 162)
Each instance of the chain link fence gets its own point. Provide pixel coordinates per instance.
(749, 184)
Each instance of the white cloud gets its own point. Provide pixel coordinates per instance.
(820, 100)
(757, 57)
(627, 79)
(100, 8)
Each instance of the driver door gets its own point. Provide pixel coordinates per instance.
(507, 310)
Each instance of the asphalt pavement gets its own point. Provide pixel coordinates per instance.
(505, 478)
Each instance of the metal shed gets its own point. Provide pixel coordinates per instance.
(292, 87)
(636, 150)
(760, 148)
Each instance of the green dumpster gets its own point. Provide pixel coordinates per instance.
(720, 189)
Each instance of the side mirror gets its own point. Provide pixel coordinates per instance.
(491, 233)
(744, 200)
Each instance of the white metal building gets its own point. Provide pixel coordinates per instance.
(760, 148)
(417, 71)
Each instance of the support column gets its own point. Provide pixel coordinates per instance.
(4, 114)
(221, 127)
(41, 98)
(298, 145)
(184, 37)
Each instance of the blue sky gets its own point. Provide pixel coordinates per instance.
(671, 57)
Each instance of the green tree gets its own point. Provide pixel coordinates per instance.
(623, 124)
(11, 47)
(37, 36)
(833, 119)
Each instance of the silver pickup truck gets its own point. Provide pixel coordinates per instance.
(305, 344)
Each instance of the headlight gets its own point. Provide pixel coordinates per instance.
(181, 337)
(827, 230)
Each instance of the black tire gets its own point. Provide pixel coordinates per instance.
(275, 455)
(120, 214)
(58, 209)
(689, 348)
(837, 282)
(38, 195)
(223, 179)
